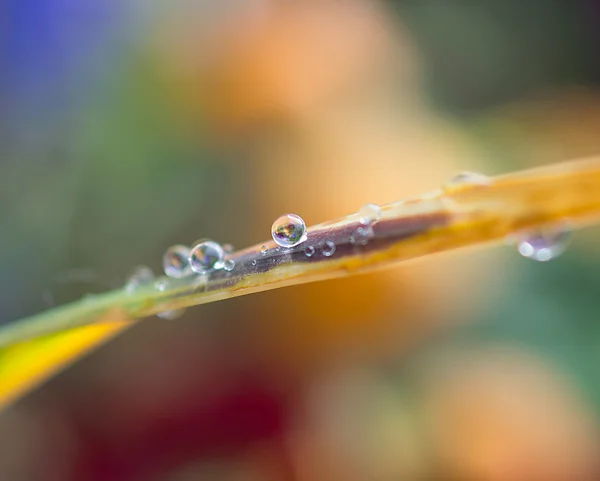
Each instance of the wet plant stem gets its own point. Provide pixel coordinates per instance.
(456, 216)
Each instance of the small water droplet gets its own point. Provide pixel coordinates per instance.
(309, 251)
(141, 276)
(264, 250)
(363, 234)
(161, 285)
(464, 179)
(176, 261)
(206, 255)
(328, 249)
(289, 230)
(227, 248)
(171, 315)
(253, 262)
(228, 265)
(369, 214)
(544, 245)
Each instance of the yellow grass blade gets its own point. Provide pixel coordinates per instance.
(25, 365)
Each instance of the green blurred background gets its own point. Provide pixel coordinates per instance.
(129, 126)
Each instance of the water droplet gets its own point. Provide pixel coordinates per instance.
(369, 214)
(289, 230)
(176, 261)
(228, 265)
(309, 251)
(206, 255)
(363, 234)
(141, 276)
(161, 285)
(253, 262)
(544, 245)
(264, 250)
(171, 315)
(227, 248)
(464, 179)
(328, 249)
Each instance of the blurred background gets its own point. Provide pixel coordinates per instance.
(127, 126)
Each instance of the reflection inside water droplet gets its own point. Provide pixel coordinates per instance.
(206, 255)
(176, 261)
(544, 245)
(289, 230)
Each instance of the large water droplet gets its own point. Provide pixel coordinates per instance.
(206, 255)
(544, 245)
(369, 214)
(289, 230)
(141, 276)
(328, 249)
(176, 261)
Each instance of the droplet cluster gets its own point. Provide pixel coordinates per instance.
(205, 256)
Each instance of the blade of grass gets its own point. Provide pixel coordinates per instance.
(33, 349)
(25, 365)
(451, 218)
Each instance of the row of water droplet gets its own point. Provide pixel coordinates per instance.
(289, 231)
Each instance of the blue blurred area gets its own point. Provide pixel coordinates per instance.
(48, 43)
